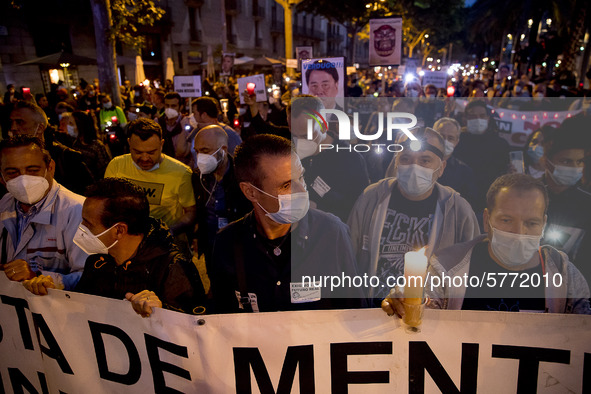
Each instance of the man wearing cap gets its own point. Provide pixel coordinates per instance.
(408, 212)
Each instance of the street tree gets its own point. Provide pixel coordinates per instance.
(119, 20)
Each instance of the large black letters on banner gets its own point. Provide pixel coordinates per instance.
(421, 358)
(244, 358)
(341, 377)
(20, 382)
(159, 367)
(529, 361)
(53, 350)
(20, 305)
(135, 365)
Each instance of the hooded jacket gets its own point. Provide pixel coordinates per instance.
(572, 296)
(157, 266)
(454, 222)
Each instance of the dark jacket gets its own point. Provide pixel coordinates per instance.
(320, 246)
(168, 147)
(70, 169)
(259, 126)
(157, 266)
(237, 205)
(460, 177)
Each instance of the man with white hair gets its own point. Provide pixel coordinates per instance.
(70, 169)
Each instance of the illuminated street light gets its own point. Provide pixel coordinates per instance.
(530, 22)
(548, 21)
(426, 36)
(421, 73)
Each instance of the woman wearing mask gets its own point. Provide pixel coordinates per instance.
(110, 115)
(95, 153)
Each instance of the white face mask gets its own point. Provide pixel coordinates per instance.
(208, 163)
(72, 131)
(107, 105)
(449, 148)
(171, 113)
(90, 243)
(477, 126)
(305, 148)
(412, 93)
(242, 111)
(512, 249)
(414, 179)
(192, 121)
(566, 176)
(28, 189)
(292, 207)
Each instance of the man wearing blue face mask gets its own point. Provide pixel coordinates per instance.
(259, 261)
(412, 210)
(515, 221)
(38, 216)
(569, 213)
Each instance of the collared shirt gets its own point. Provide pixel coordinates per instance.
(318, 245)
(24, 218)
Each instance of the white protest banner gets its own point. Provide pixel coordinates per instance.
(188, 85)
(75, 343)
(260, 88)
(291, 63)
(437, 78)
(385, 41)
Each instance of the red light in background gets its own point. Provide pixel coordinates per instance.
(236, 123)
(450, 91)
(114, 118)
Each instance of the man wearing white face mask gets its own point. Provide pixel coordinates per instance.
(260, 259)
(218, 196)
(569, 213)
(38, 216)
(398, 215)
(457, 175)
(482, 149)
(174, 129)
(131, 255)
(515, 220)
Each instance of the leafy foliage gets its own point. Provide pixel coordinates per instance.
(128, 15)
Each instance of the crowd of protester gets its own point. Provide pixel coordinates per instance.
(168, 181)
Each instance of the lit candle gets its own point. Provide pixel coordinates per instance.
(415, 266)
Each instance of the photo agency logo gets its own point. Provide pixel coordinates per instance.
(391, 123)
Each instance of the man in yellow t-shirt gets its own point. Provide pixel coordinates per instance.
(166, 181)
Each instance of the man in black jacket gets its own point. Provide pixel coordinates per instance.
(217, 193)
(132, 255)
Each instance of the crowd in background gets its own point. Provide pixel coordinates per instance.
(90, 138)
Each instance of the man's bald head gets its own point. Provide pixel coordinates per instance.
(213, 133)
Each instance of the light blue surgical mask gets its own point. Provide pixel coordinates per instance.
(535, 153)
